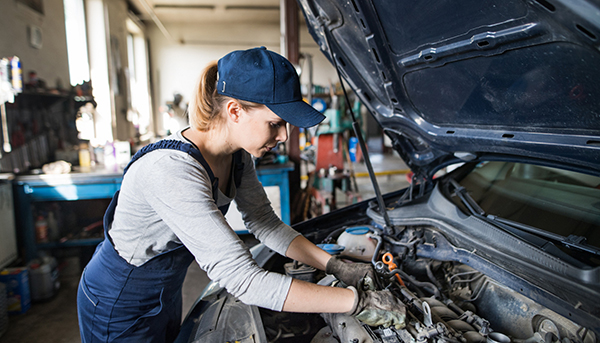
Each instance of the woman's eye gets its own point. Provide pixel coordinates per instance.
(275, 125)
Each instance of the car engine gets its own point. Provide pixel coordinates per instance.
(448, 298)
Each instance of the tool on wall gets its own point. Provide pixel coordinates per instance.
(6, 146)
(11, 83)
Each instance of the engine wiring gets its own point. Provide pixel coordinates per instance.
(446, 301)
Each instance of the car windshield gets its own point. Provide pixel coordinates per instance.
(558, 201)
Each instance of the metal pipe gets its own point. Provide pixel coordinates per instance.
(405, 276)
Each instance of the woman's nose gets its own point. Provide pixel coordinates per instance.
(282, 134)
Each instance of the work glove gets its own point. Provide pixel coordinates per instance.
(376, 308)
(359, 275)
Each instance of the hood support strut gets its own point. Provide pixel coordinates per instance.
(355, 125)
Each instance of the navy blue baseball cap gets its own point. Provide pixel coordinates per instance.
(265, 77)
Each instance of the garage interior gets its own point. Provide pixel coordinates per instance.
(100, 79)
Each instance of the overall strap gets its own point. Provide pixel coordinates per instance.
(181, 146)
(238, 171)
(238, 168)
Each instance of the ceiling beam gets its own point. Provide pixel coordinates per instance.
(213, 7)
(185, 6)
(155, 19)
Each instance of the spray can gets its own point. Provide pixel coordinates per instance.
(17, 74)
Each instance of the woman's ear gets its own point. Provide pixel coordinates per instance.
(233, 110)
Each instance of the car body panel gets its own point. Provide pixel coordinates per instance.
(473, 80)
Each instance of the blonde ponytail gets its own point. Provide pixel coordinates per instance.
(207, 104)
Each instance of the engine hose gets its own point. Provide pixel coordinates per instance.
(377, 248)
(335, 234)
(431, 276)
(428, 285)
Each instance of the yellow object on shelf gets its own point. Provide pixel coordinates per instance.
(85, 159)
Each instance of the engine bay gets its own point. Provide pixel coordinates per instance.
(447, 299)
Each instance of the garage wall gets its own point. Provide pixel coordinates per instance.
(117, 17)
(176, 65)
(50, 62)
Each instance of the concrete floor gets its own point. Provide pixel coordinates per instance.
(55, 321)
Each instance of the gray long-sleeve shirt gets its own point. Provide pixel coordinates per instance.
(166, 200)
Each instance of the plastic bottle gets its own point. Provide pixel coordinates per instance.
(41, 230)
(84, 156)
(110, 159)
(17, 74)
(357, 242)
(302, 138)
(43, 278)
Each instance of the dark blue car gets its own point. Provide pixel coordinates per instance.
(500, 101)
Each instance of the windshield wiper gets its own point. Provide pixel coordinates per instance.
(572, 241)
(467, 199)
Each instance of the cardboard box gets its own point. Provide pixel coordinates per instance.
(17, 289)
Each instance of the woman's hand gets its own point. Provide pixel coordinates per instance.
(376, 308)
(373, 308)
(359, 275)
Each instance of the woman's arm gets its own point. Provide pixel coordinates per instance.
(303, 250)
(257, 213)
(311, 298)
(359, 275)
(370, 307)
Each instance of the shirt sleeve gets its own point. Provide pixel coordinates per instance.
(178, 189)
(257, 213)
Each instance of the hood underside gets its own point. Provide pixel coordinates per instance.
(472, 80)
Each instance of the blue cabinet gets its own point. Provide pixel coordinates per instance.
(76, 186)
(102, 184)
(277, 175)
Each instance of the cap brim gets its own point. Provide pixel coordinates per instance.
(297, 113)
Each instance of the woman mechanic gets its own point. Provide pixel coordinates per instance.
(171, 210)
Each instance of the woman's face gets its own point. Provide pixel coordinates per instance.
(261, 130)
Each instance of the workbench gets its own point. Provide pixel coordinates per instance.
(81, 184)
(100, 183)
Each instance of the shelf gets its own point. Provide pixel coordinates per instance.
(44, 98)
(68, 189)
(70, 243)
(98, 183)
(72, 192)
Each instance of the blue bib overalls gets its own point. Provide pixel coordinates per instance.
(119, 302)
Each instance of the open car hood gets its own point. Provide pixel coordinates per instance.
(475, 79)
